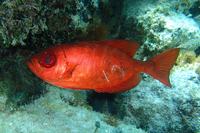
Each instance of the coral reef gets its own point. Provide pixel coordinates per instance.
(159, 25)
(44, 23)
(157, 108)
(28, 26)
(18, 86)
(186, 57)
(18, 19)
(58, 114)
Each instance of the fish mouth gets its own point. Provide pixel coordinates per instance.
(29, 63)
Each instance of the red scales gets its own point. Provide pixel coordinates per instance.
(104, 66)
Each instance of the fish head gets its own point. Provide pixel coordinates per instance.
(49, 64)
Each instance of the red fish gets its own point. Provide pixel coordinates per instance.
(104, 66)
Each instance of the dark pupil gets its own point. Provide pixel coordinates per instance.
(47, 60)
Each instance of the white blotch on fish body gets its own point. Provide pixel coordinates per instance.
(105, 76)
(114, 69)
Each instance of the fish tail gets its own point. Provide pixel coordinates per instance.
(162, 64)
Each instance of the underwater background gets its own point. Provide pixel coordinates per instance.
(28, 104)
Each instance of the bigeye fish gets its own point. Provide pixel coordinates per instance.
(103, 66)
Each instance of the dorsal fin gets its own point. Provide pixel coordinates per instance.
(130, 47)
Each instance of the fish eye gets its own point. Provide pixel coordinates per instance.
(47, 60)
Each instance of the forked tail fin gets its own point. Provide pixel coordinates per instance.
(162, 65)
